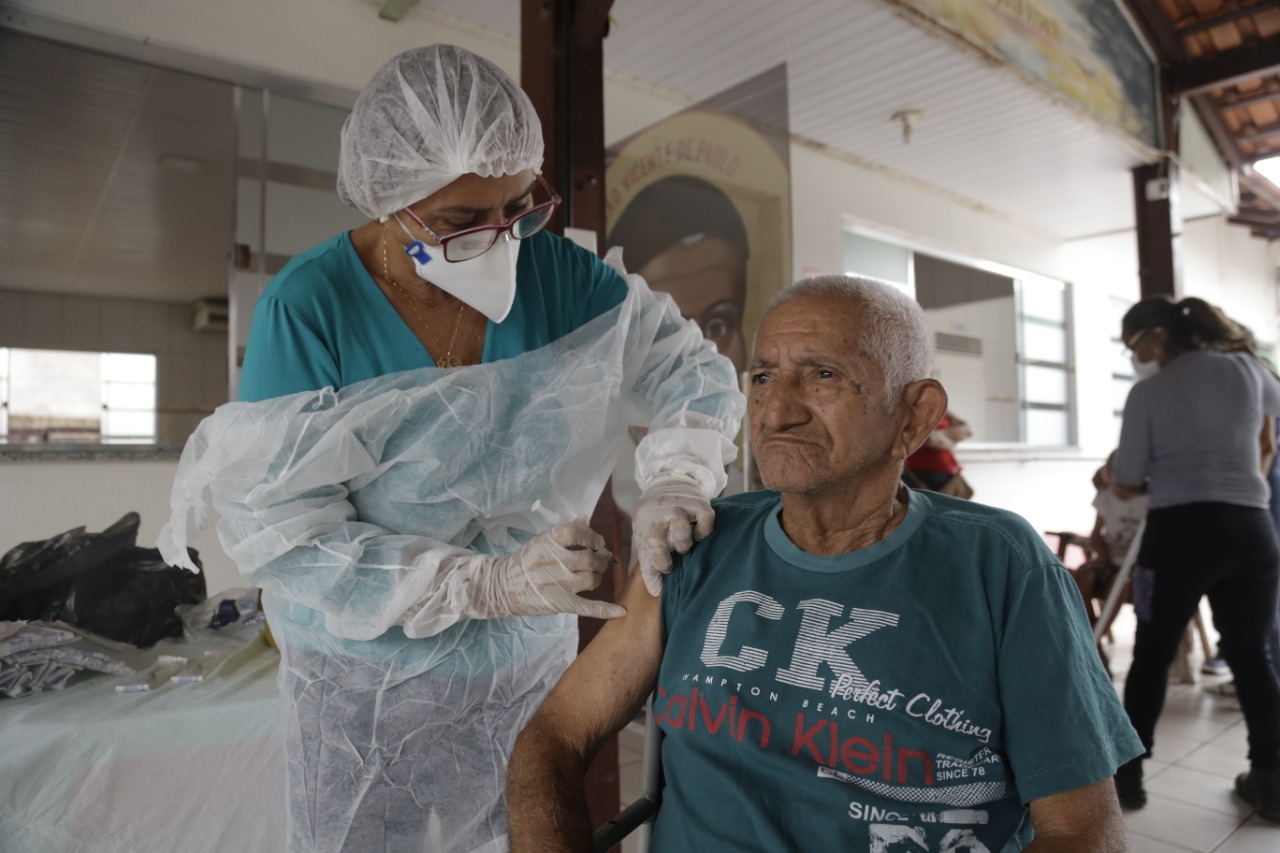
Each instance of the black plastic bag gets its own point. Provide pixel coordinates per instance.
(34, 566)
(100, 582)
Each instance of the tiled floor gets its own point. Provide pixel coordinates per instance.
(1200, 747)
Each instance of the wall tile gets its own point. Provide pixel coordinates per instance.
(176, 428)
(82, 322)
(185, 380)
(42, 319)
(119, 321)
(183, 340)
(215, 381)
(164, 366)
(213, 344)
(152, 327)
(12, 333)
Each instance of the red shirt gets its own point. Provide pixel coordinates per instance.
(939, 461)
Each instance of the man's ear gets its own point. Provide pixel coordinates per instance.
(924, 402)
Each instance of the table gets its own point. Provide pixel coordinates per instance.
(195, 767)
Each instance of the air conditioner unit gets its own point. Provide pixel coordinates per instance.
(957, 344)
(210, 314)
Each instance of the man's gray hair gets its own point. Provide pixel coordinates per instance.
(897, 335)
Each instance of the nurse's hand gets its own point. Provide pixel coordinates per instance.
(543, 577)
(671, 514)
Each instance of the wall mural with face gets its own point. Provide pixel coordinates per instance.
(686, 238)
(700, 204)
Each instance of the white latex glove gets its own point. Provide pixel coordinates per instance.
(671, 514)
(543, 576)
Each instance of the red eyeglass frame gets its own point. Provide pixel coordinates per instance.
(498, 230)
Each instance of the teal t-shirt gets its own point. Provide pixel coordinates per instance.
(919, 691)
(322, 321)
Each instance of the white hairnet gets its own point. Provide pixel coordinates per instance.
(428, 117)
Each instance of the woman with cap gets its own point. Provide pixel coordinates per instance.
(430, 407)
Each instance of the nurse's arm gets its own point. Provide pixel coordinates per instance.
(596, 697)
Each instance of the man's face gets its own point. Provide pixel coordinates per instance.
(817, 399)
(707, 279)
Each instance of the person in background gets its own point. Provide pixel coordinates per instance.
(1272, 466)
(1115, 527)
(1118, 518)
(429, 408)
(1196, 428)
(934, 465)
(1219, 666)
(845, 663)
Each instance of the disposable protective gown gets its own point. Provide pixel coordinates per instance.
(356, 512)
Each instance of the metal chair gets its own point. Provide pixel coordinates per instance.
(638, 817)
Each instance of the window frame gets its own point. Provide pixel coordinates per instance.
(1021, 280)
(105, 381)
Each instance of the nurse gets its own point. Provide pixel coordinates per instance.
(431, 404)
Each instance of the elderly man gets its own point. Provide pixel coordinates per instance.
(848, 664)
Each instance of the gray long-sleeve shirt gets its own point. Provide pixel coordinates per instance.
(1191, 432)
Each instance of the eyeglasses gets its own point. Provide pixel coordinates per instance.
(474, 242)
(1132, 343)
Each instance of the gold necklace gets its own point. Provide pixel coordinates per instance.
(448, 359)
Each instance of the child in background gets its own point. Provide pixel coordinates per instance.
(1114, 532)
(1115, 528)
(933, 466)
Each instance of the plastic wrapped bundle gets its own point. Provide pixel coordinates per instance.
(36, 657)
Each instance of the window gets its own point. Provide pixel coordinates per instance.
(1121, 367)
(1045, 348)
(54, 396)
(1002, 340)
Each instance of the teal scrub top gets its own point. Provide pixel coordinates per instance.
(323, 321)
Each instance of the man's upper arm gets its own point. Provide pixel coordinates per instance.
(598, 695)
(1086, 818)
(608, 683)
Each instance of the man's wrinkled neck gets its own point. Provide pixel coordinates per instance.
(840, 521)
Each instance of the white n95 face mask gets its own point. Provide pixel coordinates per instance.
(486, 282)
(1144, 369)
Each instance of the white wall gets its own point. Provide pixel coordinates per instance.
(39, 500)
(1231, 269)
(994, 322)
(828, 191)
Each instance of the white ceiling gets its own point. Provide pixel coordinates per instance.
(90, 199)
(986, 135)
(87, 206)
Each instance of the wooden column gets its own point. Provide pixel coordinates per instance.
(1157, 212)
(1159, 226)
(562, 70)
